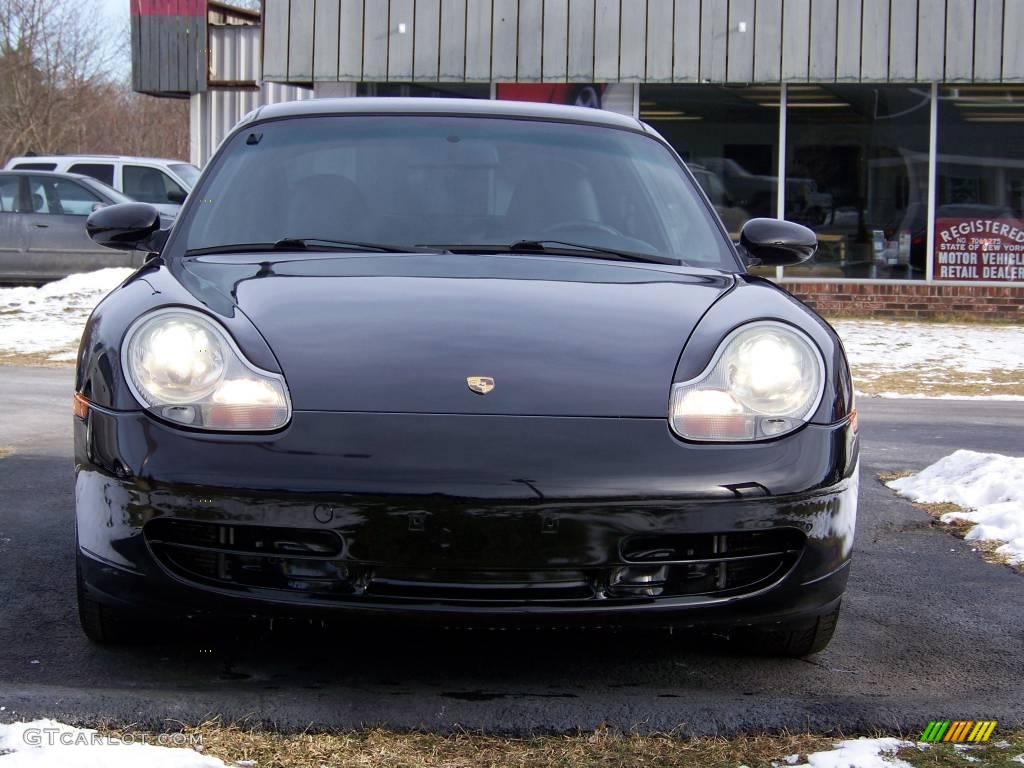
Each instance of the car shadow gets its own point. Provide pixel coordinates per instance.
(471, 664)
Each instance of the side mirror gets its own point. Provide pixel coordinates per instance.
(776, 243)
(176, 196)
(125, 226)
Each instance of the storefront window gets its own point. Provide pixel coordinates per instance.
(428, 91)
(857, 174)
(729, 138)
(979, 198)
(613, 97)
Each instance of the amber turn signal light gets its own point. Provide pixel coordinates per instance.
(80, 406)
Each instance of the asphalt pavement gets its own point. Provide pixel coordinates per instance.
(929, 631)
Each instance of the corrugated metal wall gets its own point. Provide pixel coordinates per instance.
(234, 89)
(657, 41)
(234, 54)
(168, 41)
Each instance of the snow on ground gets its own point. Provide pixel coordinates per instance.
(906, 395)
(990, 488)
(889, 346)
(895, 358)
(858, 753)
(49, 743)
(48, 320)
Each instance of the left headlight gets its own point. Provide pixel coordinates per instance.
(765, 379)
(183, 367)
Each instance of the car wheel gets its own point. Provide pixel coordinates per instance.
(105, 625)
(794, 639)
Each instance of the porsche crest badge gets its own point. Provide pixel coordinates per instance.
(480, 384)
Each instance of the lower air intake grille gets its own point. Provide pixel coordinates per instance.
(296, 559)
(313, 562)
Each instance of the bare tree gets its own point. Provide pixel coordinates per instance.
(57, 93)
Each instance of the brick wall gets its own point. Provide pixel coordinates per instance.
(913, 301)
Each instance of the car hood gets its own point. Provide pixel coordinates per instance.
(402, 333)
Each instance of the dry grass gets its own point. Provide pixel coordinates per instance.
(384, 749)
(601, 749)
(941, 382)
(888, 477)
(40, 359)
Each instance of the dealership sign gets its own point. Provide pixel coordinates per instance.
(979, 249)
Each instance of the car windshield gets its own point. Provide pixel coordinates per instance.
(187, 173)
(451, 181)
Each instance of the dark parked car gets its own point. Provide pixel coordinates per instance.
(42, 226)
(460, 361)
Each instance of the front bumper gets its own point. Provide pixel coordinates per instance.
(464, 518)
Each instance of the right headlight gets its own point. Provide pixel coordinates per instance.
(765, 379)
(184, 367)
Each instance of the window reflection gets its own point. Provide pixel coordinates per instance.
(728, 135)
(857, 174)
(979, 196)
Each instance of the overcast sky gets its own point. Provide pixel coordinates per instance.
(116, 19)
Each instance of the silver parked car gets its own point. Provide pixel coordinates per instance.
(42, 226)
(162, 183)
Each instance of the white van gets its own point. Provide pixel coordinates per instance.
(162, 183)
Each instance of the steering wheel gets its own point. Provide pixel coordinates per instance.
(577, 225)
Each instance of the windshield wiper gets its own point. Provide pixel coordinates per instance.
(558, 248)
(309, 244)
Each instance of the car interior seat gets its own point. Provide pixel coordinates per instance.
(561, 193)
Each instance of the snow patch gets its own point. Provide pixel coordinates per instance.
(50, 318)
(860, 753)
(920, 395)
(49, 743)
(934, 354)
(989, 486)
(890, 346)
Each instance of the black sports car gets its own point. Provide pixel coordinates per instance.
(461, 361)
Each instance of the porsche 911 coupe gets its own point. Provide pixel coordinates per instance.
(460, 362)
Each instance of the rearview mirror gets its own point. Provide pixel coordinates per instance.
(776, 243)
(176, 196)
(125, 226)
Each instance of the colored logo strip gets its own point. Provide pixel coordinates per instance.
(935, 731)
(958, 730)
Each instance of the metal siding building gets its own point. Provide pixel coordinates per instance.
(167, 39)
(884, 125)
(208, 52)
(648, 41)
(235, 88)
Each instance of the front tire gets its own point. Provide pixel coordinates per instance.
(794, 639)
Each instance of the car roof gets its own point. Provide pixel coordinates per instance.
(55, 174)
(125, 158)
(104, 188)
(455, 107)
